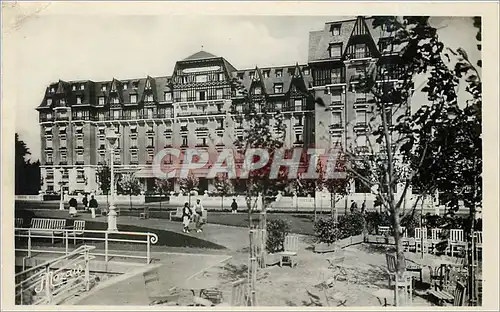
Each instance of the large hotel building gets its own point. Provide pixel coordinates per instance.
(196, 107)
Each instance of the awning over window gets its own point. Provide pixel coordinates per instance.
(133, 128)
(62, 129)
(48, 129)
(78, 129)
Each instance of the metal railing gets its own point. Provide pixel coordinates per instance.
(69, 238)
(55, 280)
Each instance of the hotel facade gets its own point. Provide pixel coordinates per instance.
(197, 107)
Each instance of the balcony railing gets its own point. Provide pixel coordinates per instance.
(329, 81)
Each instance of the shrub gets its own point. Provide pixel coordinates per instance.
(351, 224)
(375, 219)
(325, 230)
(276, 232)
(410, 222)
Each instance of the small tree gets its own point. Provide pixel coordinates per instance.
(162, 186)
(189, 184)
(104, 176)
(336, 186)
(130, 186)
(224, 186)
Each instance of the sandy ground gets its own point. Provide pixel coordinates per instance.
(364, 265)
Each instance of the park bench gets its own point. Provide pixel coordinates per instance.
(176, 214)
(383, 230)
(458, 296)
(47, 227)
(78, 229)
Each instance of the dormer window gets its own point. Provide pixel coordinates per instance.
(266, 73)
(149, 98)
(49, 102)
(73, 88)
(167, 96)
(335, 50)
(115, 100)
(240, 75)
(62, 101)
(257, 90)
(135, 84)
(78, 100)
(335, 29)
(52, 90)
(101, 100)
(251, 75)
(279, 73)
(124, 86)
(148, 85)
(103, 88)
(133, 98)
(278, 88)
(82, 87)
(306, 72)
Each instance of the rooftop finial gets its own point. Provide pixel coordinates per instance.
(202, 47)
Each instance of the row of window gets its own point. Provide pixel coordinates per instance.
(184, 79)
(266, 73)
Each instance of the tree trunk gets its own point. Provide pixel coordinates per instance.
(130, 200)
(160, 199)
(400, 260)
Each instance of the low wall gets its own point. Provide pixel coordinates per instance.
(29, 197)
(342, 243)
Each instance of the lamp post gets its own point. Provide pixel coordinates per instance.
(111, 136)
(61, 183)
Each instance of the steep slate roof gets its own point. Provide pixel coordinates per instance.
(268, 83)
(199, 56)
(320, 40)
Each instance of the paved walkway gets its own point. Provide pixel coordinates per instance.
(233, 238)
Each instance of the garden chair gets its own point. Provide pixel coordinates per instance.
(435, 239)
(456, 241)
(438, 276)
(78, 229)
(419, 234)
(405, 281)
(291, 248)
(155, 289)
(457, 298)
(383, 230)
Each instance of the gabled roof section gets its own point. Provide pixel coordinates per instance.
(200, 55)
(115, 90)
(297, 81)
(149, 87)
(361, 29)
(258, 80)
(61, 87)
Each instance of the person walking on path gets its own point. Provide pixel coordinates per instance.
(186, 217)
(234, 206)
(85, 202)
(72, 207)
(198, 215)
(93, 206)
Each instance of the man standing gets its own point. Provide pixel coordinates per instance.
(234, 206)
(93, 205)
(198, 215)
(72, 207)
(85, 202)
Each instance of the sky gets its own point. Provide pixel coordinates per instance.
(50, 47)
